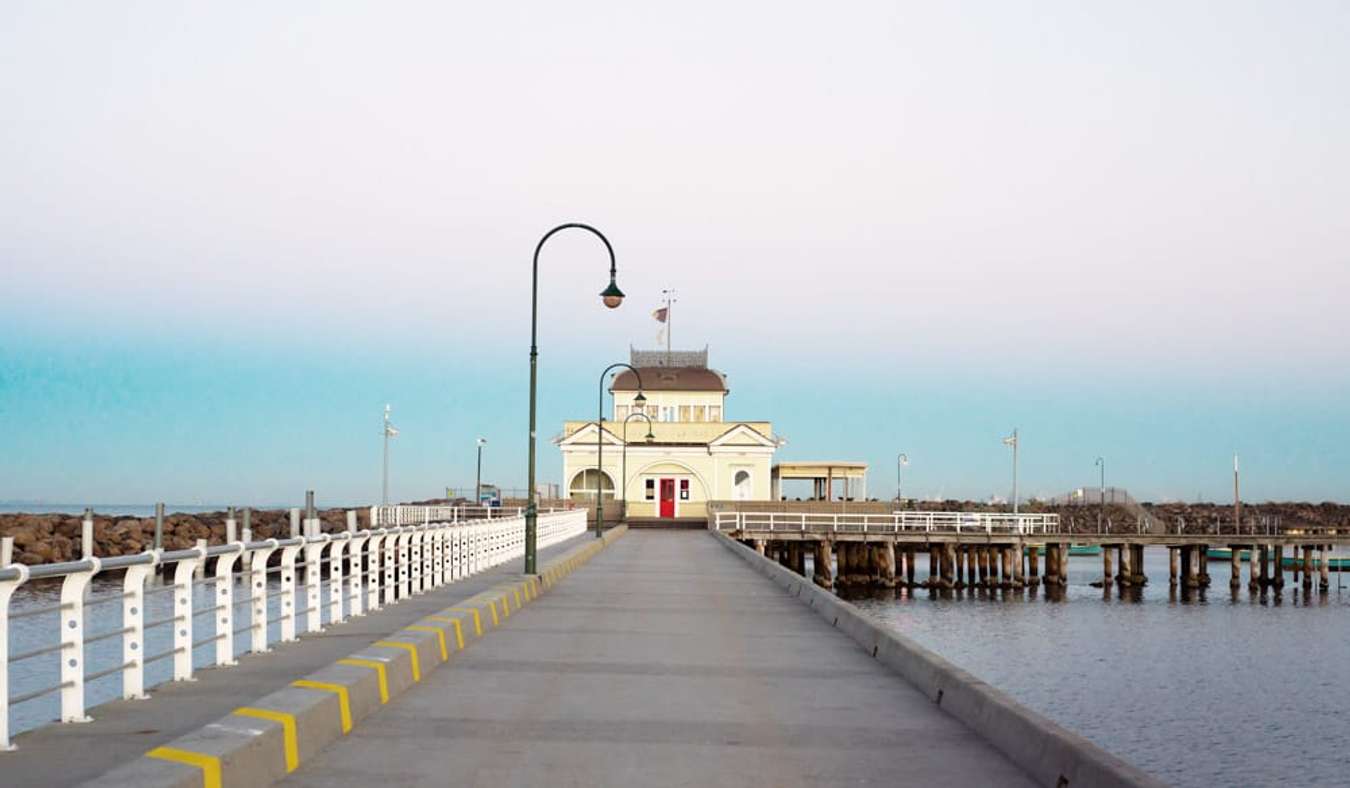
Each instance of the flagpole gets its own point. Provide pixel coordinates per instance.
(384, 496)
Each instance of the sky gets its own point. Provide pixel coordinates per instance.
(231, 233)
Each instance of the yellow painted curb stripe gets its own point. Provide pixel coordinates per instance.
(477, 619)
(440, 635)
(459, 631)
(378, 667)
(506, 605)
(412, 652)
(209, 764)
(287, 728)
(344, 698)
(492, 605)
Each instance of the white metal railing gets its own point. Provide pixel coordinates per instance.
(367, 569)
(894, 523)
(411, 515)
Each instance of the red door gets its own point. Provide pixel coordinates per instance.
(667, 497)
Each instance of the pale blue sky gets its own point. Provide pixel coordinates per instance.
(229, 234)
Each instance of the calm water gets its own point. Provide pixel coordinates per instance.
(1197, 689)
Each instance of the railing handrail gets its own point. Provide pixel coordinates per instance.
(388, 564)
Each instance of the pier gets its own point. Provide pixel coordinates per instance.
(983, 550)
(651, 657)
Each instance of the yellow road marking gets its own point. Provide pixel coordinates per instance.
(506, 606)
(209, 764)
(459, 631)
(378, 667)
(477, 619)
(440, 635)
(412, 652)
(287, 728)
(344, 698)
(492, 605)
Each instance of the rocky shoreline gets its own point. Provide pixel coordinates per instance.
(51, 538)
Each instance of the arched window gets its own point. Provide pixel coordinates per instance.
(741, 483)
(583, 485)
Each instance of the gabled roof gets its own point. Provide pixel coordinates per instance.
(586, 436)
(671, 379)
(741, 435)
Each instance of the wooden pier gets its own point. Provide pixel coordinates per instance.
(1002, 551)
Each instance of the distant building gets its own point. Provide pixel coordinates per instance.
(696, 453)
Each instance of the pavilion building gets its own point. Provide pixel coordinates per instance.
(680, 448)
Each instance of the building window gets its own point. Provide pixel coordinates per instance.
(650, 490)
(653, 411)
(714, 413)
(667, 413)
(684, 413)
(741, 485)
(584, 485)
(698, 413)
(684, 489)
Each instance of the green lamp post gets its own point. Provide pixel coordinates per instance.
(639, 401)
(623, 470)
(611, 296)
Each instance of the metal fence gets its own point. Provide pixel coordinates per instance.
(366, 570)
(894, 523)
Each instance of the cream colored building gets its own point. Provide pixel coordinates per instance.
(695, 454)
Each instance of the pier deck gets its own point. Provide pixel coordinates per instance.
(662, 662)
(123, 730)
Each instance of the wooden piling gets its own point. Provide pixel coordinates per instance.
(1173, 566)
(1307, 565)
(1188, 568)
(1017, 553)
(823, 572)
(1033, 565)
(910, 554)
(1276, 573)
(1140, 577)
(886, 563)
(933, 563)
(1323, 569)
(1235, 582)
(1126, 575)
(1107, 576)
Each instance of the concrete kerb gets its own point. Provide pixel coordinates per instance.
(267, 739)
(1051, 754)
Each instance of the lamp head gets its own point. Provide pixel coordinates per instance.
(639, 399)
(650, 437)
(612, 295)
(482, 442)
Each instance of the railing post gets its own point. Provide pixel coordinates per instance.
(183, 573)
(7, 588)
(313, 583)
(72, 643)
(374, 552)
(225, 600)
(405, 564)
(438, 572)
(289, 613)
(419, 552)
(133, 620)
(357, 543)
(336, 588)
(257, 564)
(390, 564)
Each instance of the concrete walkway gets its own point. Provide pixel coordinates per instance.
(664, 661)
(122, 731)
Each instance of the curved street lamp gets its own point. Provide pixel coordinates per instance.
(1101, 463)
(611, 296)
(900, 462)
(478, 479)
(639, 400)
(623, 472)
